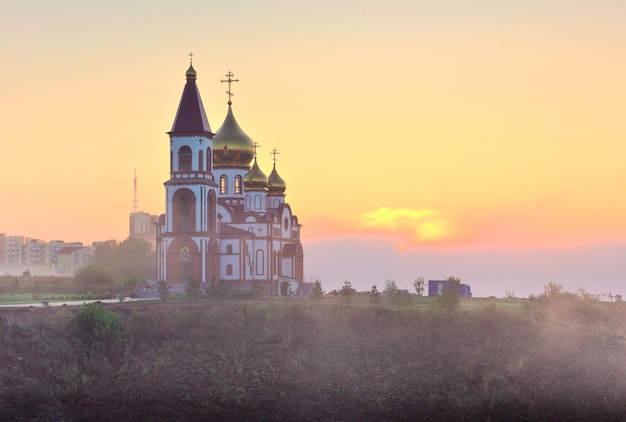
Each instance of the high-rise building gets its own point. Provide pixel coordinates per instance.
(35, 252)
(225, 219)
(3, 255)
(14, 250)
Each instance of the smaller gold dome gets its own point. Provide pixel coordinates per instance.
(191, 73)
(276, 184)
(255, 179)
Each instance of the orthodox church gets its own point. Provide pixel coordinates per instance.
(225, 220)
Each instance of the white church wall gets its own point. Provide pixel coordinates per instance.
(197, 144)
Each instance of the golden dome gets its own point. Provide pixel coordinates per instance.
(276, 184)
(231, 146)
(191, 73)
(255, 179)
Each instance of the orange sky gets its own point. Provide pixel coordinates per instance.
(458, 125)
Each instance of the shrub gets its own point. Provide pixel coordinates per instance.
(347, 292)
(449, 297)
(317, 293)
(374, 295)
(218, 290)
(164, 292)
(98, 329)
(192, 289)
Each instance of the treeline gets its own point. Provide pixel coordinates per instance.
(123, 264)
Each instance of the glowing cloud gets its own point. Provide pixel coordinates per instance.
(416, 226)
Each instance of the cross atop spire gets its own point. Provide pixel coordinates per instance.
(190, 57)
(230, 80)
(274, 153)
(255, 145)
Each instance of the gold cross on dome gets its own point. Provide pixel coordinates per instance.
(255, 145)
(274, 153)
(230, 80)
(190, 57)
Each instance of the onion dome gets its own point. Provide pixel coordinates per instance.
(231, 146)
(191, 73)
(276, 184)
(255, 179)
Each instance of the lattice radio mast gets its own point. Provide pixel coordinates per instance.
(135, 202)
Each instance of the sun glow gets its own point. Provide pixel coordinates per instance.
(422, 225)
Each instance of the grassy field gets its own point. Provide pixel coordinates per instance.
(21, 290)
(491, 359)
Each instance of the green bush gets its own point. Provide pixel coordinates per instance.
(98, 329)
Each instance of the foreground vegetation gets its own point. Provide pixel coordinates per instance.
(554, 358)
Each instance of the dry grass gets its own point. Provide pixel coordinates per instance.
(299, 360)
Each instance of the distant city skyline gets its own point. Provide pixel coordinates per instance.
(449, 138)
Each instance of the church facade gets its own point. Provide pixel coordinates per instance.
(225, 220)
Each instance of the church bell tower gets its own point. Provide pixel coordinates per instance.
(187, 234)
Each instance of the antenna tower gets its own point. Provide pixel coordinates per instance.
(135, 192)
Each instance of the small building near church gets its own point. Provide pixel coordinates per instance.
(438, 287)
(71, 259)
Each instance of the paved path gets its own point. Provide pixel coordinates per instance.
(39, 304)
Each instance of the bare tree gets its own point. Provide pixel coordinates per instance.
(419, 285)
(391, 287)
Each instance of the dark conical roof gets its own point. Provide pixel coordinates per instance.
(190, 117)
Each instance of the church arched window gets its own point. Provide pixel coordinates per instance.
(260, 261)
(185, 212)
(184, 158)
(223, 184)
(212, 211)
(229, 269)
(208, 159)
(257, 202)
(229, 249)
(200, 160)
(237, 184)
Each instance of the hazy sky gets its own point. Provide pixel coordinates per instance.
(482, 139)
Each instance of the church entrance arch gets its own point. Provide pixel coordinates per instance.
(183, 261)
